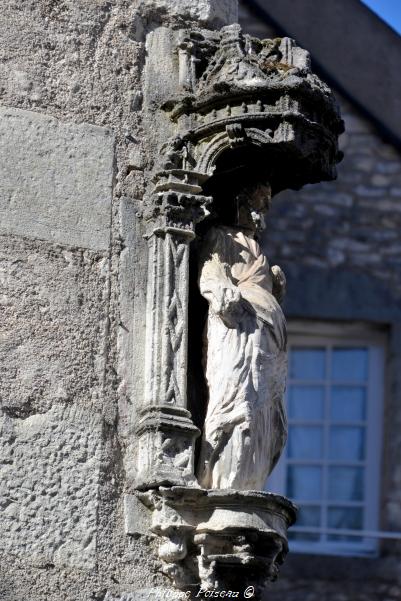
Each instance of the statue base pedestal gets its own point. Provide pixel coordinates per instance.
(218, 539)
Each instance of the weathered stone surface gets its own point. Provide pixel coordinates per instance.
(218, 539)
(211, 13)
(245, 426)
(137, 517)
(61, 311)
(49, 471)
(83, 62)
(54, 320)
(320, 25)
(55, 179)
(341, 266)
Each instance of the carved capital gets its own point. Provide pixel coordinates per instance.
(177, 213)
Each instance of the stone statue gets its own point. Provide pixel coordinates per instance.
(244, 352)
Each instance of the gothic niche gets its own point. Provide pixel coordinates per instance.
(248, 119)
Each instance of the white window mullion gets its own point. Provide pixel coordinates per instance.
(374, 438)
(326, 442)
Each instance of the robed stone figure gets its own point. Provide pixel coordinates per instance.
(244, 352)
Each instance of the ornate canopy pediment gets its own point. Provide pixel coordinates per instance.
(237, 91)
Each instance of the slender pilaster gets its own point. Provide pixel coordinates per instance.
(166, 433)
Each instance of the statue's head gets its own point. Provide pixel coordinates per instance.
(251, 205)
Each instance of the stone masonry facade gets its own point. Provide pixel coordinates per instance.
(71, 81)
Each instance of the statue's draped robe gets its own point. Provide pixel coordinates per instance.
(245, 362)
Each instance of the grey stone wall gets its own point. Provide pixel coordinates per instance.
(56, 179)
(73, 164)
(353, 223)
(70, 92)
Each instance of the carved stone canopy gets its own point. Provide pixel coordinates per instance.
(237, 91)
(238, 103)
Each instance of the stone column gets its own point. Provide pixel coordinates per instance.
(165, 431)
(174, 203)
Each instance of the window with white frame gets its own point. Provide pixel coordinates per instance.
(331, 465)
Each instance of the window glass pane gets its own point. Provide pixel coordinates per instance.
(345, 483)
(308, 516)
(304, 482)
(305, 442)
(305, 402)
(348, 403)
(307, 363)
(347, 443)
(346, 518)
(349, 364)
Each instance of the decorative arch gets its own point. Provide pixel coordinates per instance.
(233, 136)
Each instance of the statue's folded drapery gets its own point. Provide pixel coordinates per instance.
(245, 362)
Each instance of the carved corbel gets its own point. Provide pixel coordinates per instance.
(216, 539)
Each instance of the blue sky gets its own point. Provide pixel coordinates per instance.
(388, 10)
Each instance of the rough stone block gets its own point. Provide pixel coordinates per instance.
(136, 516)
(53, 326)
(55, 179)
(49, 471)
(206, 12)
